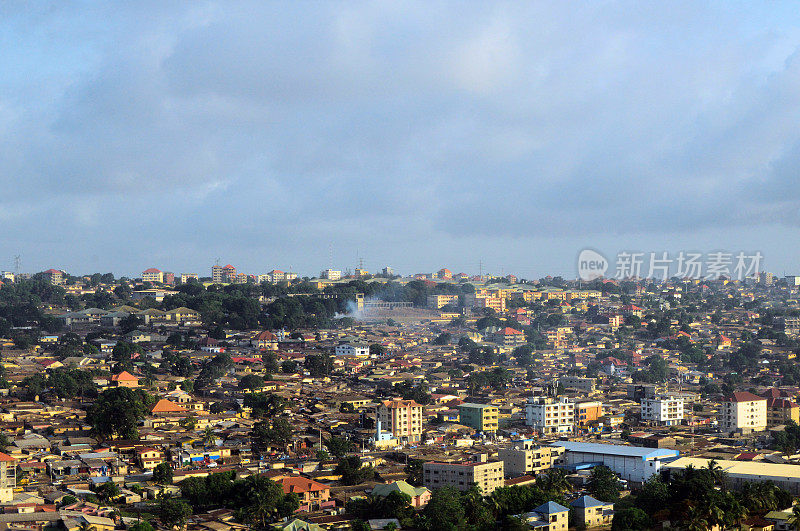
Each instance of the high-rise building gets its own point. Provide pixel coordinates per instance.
(743, 411)
(549, 415)
(216, 274)
(54, 277)
(153, 275)
(482, 417)
(664, 410)
(8, 477)
(331, 274)
(402, 417)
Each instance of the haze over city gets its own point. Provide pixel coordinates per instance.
(409, 134)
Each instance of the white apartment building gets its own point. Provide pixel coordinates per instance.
(331, 274)
(550, 415)
(352, 349)
(402, 417)
(663, 410)
(743, 411)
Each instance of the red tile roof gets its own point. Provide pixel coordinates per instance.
(743, 396)
(124, 376)
(152, 270)
(301, 485)
(165, 406)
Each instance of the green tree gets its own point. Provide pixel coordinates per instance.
(251, 381)
(117, 412)
(162, 474)
(604, 484)
(173, 513)
(631, 519)
(351, 471)
(338, 446)
(444, 512)
(141, 526)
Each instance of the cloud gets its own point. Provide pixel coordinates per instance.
(270, 128)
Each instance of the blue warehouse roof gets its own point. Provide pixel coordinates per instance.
(645, 454)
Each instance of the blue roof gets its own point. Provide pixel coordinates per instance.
(587, 501)
(617, 449)
(550, 508)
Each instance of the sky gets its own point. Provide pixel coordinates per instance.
(505, 136)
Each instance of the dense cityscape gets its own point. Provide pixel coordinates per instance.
(399, 265)
(352, 400)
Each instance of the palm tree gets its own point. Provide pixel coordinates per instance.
(209, 438)
(696, 520)
(555, 480)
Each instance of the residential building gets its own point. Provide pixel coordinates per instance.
(664, 410)
(352, 349)
(54, 277)
(420, 496)
(549, 415)
(631, 463)
(526, 458)
(781, 408)
(402, 417)
(169, 277)
(744, 412)
(312, 494)
(185, 277)
(221, 274)
(591, 513)
(509, 337)
(444, 274)
(438, 301)
(550, 516)
(8, 477)
(331, 274)
(580, 383)
(149, 458)
(217, 274)
(486, 300)
(487, 476)
(153, 275)
(124, 379)
(588, 412)
(277, 275)
(482, 417)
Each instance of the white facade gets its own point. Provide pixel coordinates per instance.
(665, 410)
(331, 274)
(631, 463)
(744, 411)
(349, 349)
(548, 415)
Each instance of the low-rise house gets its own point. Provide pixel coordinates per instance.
(591, 513)
(312, 494)
(420, 496)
